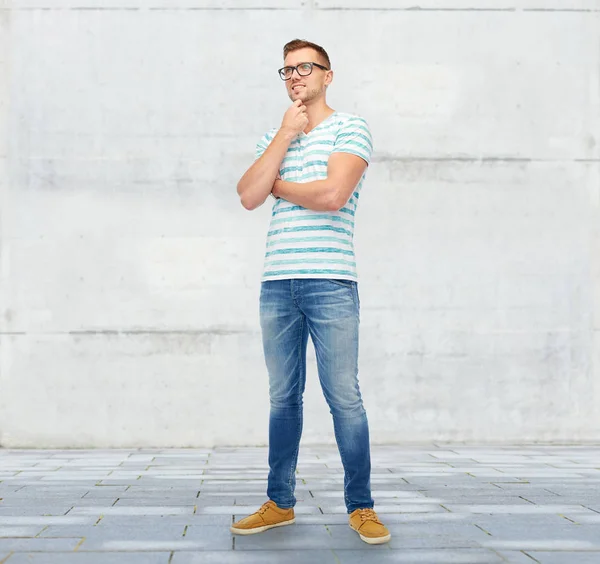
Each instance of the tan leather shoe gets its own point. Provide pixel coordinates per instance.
(267, 517)
(368, 526)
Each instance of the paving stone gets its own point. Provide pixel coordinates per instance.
(163, 537)
(94, 502)
(132, 531)
(13, 532)
(91, 558)
(148, 510)
(33, 510)
(547, 544)
(518, 509)
(587, 518)
(262, 556)
(187, 501)
(420, 556)
(38, 545)
(565, 557)
(44, 520)
(441, 529)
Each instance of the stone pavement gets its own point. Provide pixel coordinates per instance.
(443, 504)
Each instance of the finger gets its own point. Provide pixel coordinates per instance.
(297, 102)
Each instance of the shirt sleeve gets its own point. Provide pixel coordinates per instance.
(262, 145)
(355, 137)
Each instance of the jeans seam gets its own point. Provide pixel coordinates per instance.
(300, 386)
(339, 442)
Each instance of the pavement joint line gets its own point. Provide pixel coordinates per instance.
(79, 544)
(38, 535)
(5, 559)
(529, 556)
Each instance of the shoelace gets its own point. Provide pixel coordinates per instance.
(263, 508)
(368, 514)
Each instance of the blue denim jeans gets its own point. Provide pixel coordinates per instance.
(328, 311)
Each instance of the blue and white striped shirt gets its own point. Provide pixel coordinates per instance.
(303, 243)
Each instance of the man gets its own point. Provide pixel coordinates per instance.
(314, 166)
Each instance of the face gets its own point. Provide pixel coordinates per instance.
(307, 88)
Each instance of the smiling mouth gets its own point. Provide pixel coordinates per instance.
(297, 87)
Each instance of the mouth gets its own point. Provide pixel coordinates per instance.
(297, 87)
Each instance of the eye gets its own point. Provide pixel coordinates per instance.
(305, 66)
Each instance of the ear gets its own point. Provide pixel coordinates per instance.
(328, 78)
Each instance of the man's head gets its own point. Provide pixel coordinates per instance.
(309, 80)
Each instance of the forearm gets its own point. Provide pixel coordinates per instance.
(318, 195)
(256, 184)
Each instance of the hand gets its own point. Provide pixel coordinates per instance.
(295, 118)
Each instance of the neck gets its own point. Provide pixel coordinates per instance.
(316, 114)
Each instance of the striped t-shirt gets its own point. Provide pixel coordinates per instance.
(303, 243)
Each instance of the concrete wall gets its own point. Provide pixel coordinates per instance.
(130, 273)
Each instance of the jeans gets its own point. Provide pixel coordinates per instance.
(328, 310)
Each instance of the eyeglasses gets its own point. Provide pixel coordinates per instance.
(303, 69)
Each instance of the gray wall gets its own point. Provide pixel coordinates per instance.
(130, 272)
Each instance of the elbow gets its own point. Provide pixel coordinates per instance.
(248, 204)
(335, 201)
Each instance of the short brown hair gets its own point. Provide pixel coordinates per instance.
(296, 44)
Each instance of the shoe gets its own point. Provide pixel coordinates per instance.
(267, 517)
(368, 526)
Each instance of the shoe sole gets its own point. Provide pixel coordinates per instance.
(375, 540)
(257, 530)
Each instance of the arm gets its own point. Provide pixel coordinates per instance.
(257, 182)
(344, 171)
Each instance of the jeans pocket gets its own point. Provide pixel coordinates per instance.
(341, 282)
